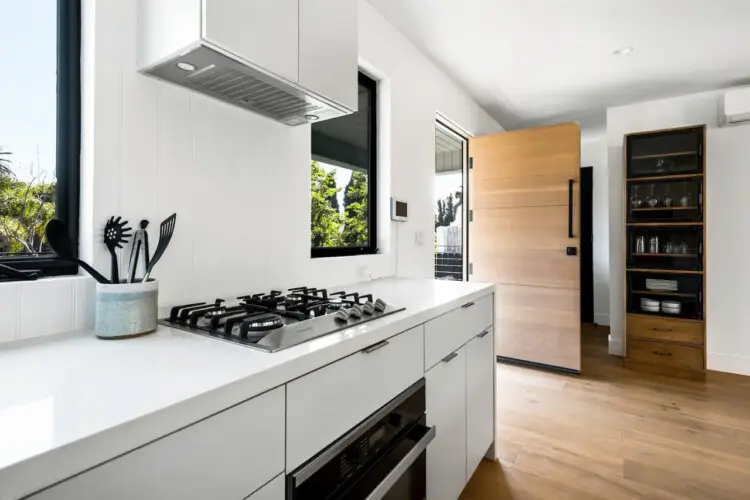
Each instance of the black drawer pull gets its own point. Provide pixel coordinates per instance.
(450, 357)
(484, 333)
(657, 329)
(375, 347)
(467, 305)
(662, 353)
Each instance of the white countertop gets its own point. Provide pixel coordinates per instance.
(70, 402)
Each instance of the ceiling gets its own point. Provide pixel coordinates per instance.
(531, 62)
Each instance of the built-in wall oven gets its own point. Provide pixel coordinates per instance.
(384, 457)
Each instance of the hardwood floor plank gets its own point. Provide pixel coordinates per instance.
(613, 433)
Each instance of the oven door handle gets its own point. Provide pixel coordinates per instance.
(382, 489)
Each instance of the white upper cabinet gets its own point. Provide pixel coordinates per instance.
(328, 49)
(264, 32)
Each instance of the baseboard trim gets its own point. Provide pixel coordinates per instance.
(739, 365)
(540, 366)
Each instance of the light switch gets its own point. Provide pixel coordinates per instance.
(419, 238)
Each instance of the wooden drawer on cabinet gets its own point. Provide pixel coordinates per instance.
(665, 354)
(665, 329)
(448, 332)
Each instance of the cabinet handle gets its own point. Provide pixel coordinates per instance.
(657, 329)
(662, 353)
(570, 208)
(375, 347)
(484, 333)
(450, 357)
(465, 306)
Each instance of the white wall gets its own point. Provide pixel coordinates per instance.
(239, 182)
(594, 154)
(727, 207)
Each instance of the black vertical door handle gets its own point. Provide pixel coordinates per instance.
(570, 209)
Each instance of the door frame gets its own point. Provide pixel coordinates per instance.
(447, 123)
(587, 244)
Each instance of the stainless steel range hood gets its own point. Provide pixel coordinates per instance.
(292, 61)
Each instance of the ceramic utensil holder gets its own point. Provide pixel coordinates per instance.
(126, 310)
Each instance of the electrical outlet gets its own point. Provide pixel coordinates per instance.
(419, 238)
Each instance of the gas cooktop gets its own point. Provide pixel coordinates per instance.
(278, 320)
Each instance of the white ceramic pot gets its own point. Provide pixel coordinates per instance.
(126, 310)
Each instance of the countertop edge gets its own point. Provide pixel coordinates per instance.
(44, 470)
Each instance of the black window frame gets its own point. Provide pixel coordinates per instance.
(372, 183)
(68, 141)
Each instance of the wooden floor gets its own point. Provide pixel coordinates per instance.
(616, 434)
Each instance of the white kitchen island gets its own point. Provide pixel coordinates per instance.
(179, 415)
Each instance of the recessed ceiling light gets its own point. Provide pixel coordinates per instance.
(185, 66)
(312, 118)
(623, 51)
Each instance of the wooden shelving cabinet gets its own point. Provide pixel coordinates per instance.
(665, 250)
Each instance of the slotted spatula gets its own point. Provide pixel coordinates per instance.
(166, 230)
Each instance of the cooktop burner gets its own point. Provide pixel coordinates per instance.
(278, 320)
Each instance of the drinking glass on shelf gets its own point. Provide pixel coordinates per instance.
(640, 244)
(683, 248)
(668, 247)
(653, 244)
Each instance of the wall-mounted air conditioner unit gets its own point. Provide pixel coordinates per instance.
(735, 107)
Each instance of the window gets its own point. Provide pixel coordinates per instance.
(343, 180)
(39, 130)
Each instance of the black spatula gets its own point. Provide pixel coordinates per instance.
(166, 230)
(58, 239)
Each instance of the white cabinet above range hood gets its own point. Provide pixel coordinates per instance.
(294, 61)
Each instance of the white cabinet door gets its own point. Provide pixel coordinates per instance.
(224, 457)
(263, 32)
(446, 410)
(328, 49)
(480, 399)
(324, 404)
(275, 490)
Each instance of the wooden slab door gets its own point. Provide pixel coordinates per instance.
(523, 236)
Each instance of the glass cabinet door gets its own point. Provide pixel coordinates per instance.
(674, 248)
(667, 200)
(667, 153)
(665, 294)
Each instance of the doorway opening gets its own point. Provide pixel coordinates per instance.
(587, 244)
(450, 224)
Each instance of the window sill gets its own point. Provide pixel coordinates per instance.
(320, 253)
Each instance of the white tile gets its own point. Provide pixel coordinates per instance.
(9, 313)
(46, 307)
(85, 294)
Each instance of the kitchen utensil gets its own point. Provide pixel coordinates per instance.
(115, 235)
(166, 230)
(135, 250)
(640, 244)
(58, 239)
(653, 244)
(126, 310)
(16, 274)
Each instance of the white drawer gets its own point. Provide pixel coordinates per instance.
(448, 332)
(325, 404)
(226, 456)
